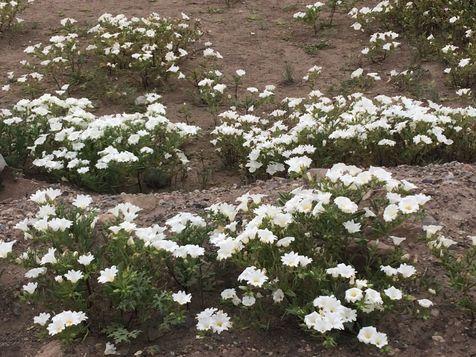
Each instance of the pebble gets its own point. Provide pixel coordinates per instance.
(438, 338)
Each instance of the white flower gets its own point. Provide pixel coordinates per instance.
(425, 303)
(431, 230)
(390, 213)
(406, 270)
(278, 296)
(370, 335)
(464, 62)
(86, 259)
(219, 88)
(408, 205)
(388, 270)
(41, 319)
(397, 240)
(293, 259)
(182, 297)
(372, 297)
(42, 196)
(285, 242)
(253, 276)
(472, 239)
(6, 248)
(35, 273)
(74, 275)
(248, 300)
(214, 320)
(345, 204)
(393, 293)
(59, 224)
(357, 73)
(342, 270)
(180, 221)
(353, 295)
(108, 275)
(298, 163)
(82, 201)
(367, 334)
(228, 294)
(352, 227)
(30, 287)
(266, 236)
(65, 319)
(49, 257)
(240, 72)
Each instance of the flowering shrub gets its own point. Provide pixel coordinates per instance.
(355, 129)
(92, 271)
(439, 28)
(149, 48)
(9, 11)
(320, 254)
(104, 153)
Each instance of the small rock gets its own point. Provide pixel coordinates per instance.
(438, 338)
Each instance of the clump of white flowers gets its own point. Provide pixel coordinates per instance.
(150, 48)
(317, 131)
(308, 255)
(86, 262)
(452, 40)
(103, 153)
(459, 261)
(381, 45)
(310, 15)
(10, 11)
(319, 239)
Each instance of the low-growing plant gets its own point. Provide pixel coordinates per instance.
(381, 45)
(312, 75)
(288, 73)
(106, 153)
(9, 13)
(438, 28)
(320, 131)
(106, 273)
(460, 267)
(310, 15)
(142, 52)
(315, 48)
(321, 254)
